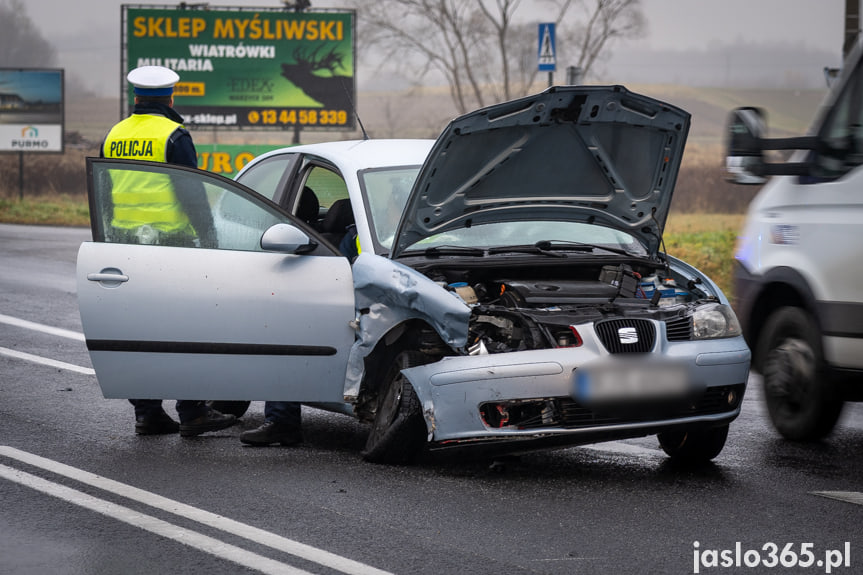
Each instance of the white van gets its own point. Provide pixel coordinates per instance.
(799, 278)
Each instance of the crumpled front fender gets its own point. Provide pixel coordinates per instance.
(388, 294)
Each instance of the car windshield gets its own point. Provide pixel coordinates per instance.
(386, 192)
(550, 235)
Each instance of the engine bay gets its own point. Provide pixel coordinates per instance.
(523, 307)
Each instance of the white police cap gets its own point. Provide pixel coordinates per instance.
(153, 80)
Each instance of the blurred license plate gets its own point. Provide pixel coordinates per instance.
(630, 381)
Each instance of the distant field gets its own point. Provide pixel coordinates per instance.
(789, 112)
(423, 113)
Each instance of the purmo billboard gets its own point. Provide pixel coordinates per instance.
(248, 67)
(31, 110)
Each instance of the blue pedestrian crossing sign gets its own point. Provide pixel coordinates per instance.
(546, 53)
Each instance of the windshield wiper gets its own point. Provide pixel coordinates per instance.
(579, 246)
(543, 247)
(454, 251)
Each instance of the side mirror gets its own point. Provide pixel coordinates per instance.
(744, 159)
(285, 238)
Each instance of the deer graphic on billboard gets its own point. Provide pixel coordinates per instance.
(332, 91)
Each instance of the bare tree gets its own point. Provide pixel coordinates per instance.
(606, 21)
(426, 36)
(480, 50)
(501, 20)
(21, 44)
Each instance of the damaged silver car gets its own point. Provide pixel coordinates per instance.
(502, 287)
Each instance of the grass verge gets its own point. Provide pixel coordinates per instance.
(56, 211)
(706, 241)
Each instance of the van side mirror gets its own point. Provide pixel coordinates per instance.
(745, 145)
(744, 158)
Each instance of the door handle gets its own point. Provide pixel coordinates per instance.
(114, 277)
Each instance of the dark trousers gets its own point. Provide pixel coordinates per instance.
(283, 412)
(187, 409)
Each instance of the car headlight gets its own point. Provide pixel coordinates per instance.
(714, 321)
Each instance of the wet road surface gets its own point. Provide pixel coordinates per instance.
(81, 493)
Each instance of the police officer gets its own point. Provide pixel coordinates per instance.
(147, 209)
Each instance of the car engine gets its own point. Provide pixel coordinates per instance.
(516, 308)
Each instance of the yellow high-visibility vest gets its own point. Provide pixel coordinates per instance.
(140, 198)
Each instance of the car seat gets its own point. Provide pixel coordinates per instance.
(308, 210)
(335, 224)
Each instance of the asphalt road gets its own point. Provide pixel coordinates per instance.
(81, 494)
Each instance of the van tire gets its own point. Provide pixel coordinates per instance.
(801, 400)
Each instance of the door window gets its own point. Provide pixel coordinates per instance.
(135, 202)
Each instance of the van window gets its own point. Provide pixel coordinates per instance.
(843, 129)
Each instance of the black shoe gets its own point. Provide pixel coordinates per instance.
(211, 421)
(158, 424)
(272, 432)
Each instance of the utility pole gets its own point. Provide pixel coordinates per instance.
(852, 26)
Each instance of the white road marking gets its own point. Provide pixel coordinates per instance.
(260, 536)
(152, 524)
(854, 497)
(60, 332)
(8, 319)
(46, 361)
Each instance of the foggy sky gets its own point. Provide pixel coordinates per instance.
(86, 33)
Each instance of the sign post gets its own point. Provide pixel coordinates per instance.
(546, 54)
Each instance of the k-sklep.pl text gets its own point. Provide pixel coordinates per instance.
(771, 555)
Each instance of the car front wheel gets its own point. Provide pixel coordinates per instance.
(694, 445)
(399, 432)
(800, 398)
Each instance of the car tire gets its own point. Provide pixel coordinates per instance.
(800, 398)
(694, 445)
(399, 431)
(236, 408)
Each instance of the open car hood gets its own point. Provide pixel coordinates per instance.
(594, 154)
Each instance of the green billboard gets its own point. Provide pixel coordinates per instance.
(248, 67)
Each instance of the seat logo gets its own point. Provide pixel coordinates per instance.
(627, 335)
